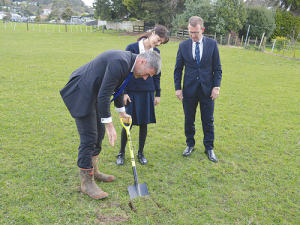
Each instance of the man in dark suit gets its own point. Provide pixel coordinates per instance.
(199, 56)
(87, 97)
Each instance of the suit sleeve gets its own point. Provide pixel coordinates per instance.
(114, 74)
(217, 69)
(178, 69)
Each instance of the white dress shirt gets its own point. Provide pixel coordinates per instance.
(200, 48)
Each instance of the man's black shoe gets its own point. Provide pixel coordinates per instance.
(120, 159)
(211, 155)
(188, 151)
(142, 158)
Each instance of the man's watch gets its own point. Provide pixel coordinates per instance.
(217, 88)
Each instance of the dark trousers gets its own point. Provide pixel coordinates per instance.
(91, 132)
(207, 110)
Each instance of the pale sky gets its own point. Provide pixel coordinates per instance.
(88, 2)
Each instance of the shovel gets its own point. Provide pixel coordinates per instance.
(137, 189)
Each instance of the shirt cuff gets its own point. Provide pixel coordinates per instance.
(120, 109)
(106, 120)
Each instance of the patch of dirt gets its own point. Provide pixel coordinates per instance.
(111, 219)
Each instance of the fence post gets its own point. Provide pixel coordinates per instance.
(261, 40)
(228, 41)
(283, 49)
(255, 41)
(265, 40)
(221, 40)
(215, 37)
(248, 40)
(235, 40)
(273, 45)
(182, 35)
(242, 41)
(103, 29)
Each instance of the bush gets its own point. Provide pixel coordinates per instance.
(280, 41)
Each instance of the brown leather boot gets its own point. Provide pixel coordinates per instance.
(98, 175)
(89, 186)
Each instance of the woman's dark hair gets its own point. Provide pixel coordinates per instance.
(160, 30)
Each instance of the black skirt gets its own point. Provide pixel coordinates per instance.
(141, 107)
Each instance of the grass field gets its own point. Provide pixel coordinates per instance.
(257, 119)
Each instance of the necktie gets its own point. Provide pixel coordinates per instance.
(121, 88)
(197, 58)
(197, 54)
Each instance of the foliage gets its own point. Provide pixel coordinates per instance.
(281, 42)
(7, 17)
(157, 11)
(66, 14)
(261, 20)
(136, 8)
(261, 3)
(290, 6)
(204, 9)
(54, 15)
(286, 25)
(111, 10)
(38, 19)
(219, 17)
(232, 13)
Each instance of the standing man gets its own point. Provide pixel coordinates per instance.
(87, 97)
(200, 58)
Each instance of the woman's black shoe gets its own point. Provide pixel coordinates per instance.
(120, 159)
(142, 158)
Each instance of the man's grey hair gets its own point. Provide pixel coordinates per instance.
(153, 60)
(195, 20)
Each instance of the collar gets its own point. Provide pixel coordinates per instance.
(142, 47)
(200, 41)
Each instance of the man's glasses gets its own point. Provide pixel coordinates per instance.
(194, 33)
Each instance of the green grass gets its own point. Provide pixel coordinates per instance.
(257, 119)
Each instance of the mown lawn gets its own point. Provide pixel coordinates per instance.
(257, 119)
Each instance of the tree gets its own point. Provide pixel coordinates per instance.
(232, 13)
(162, 11)
(54, 15)
(111, 10)
(286, 24)
(261, 20)
(66, 14)
(136, 8)
(219, 17)
(289, 5)
(262, 3)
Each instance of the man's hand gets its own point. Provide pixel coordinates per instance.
(214, 93)
(156, 101)
(126, 98)
(111, 132)
(179, 94)
(126, 117)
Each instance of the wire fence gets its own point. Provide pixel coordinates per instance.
(286, 47)
(55, 27)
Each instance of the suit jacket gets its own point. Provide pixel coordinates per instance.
(151, 84)
(210, 70)
(97, 81)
